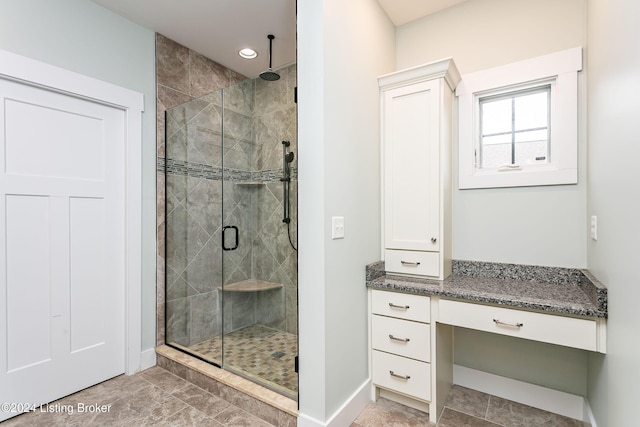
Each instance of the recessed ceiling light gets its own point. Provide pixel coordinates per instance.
(248, 53)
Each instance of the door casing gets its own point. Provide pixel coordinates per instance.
(36, 73)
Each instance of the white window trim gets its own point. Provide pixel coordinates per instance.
(561, 67)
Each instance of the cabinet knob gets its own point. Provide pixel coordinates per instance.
(433, 240)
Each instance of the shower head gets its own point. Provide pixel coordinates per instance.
(270, 75)
(288, 157)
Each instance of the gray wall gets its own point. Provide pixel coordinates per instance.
(527, 225)
(533, 225)
(85, 38)
(342, 48)
(614, 129)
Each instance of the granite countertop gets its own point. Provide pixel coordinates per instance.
(565, 291)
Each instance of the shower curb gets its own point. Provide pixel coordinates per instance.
(253, 398)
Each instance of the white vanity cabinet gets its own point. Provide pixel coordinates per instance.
(401, 343)
(412, 323)
(411, 341)
(411, 360)
(416, 123)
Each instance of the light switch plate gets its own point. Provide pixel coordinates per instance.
(337, 227)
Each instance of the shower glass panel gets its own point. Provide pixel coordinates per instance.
(231, 221)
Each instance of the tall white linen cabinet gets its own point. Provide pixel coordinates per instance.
(416, 118)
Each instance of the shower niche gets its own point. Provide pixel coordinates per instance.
(231, 230)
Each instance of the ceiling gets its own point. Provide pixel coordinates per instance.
(403, 11)
(218, 29)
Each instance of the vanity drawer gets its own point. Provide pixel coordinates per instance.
(415, 263)
(404, 306)
(406, 376)
(561, 330)
(402, 337)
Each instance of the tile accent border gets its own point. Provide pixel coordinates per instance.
(199, 170)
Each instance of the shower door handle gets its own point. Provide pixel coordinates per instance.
(224, 232)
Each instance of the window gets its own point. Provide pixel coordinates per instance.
(514, 128)
(518, 123)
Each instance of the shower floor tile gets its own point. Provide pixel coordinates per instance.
(261, 353)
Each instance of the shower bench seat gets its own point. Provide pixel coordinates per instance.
(250, 285)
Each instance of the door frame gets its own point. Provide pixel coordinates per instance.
(35, 73)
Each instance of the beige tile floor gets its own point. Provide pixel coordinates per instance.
(463, 408)
(156, 397)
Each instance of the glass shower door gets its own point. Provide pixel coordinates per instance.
(259, 265)
(237, 192)
(231, 215)
(193, 188)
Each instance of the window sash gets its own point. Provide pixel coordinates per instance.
(514, 131)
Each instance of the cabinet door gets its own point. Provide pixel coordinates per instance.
(411, 130)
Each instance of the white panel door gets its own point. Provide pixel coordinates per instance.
(411, 129)
(61, 243)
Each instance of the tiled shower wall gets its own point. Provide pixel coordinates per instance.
(274, 259)
(257, 117)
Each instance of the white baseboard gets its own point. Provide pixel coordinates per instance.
(588, 415)
(558, 402)
(307, 421)
(148, 359)
(346, 414)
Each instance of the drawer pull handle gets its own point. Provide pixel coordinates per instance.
(401, 307)
(402, 377)
(513, 325)
(433, 240)
(398, 339)
(410, 263)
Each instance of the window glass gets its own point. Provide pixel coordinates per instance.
(515, 128)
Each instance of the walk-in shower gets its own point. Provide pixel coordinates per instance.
(231, 262)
